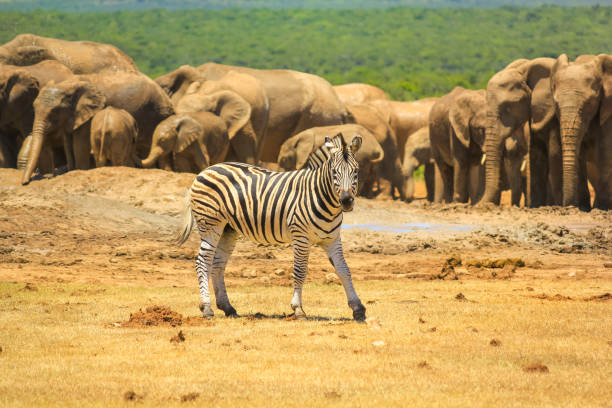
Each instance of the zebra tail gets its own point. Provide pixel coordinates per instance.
(188, 221)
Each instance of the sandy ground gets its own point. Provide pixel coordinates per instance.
(491, 306)
(116, 226)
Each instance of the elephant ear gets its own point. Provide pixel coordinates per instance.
(189, 131)
(538, 78)
(233, 109)
(303, 148)
(8, 81)
(459, 116)
(32, 54)
(605, 110)
(193, 88)
(88, 100)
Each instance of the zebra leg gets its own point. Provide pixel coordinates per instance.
(336, 257)
(224, 250)
(209, 239)
(301, 248)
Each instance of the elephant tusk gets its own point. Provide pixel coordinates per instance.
(484, 159)
(523, 166)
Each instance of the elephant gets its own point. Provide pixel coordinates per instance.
(19, 86)
(357, 93)
(405, 118)
(296, 150)
(391, 167)
(417, 152)
(582, 94)
(298, 101)
(66, 108)
(517, 95)
(456, 131)
(81, 57)
(177, 82)
(235, 113)
(189, 142)
(113, 138)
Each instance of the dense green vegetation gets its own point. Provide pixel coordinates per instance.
(408, 52)
(112, 5)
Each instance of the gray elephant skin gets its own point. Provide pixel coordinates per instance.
(81, 57)
(295, 151)
(582, 93)
(189, 142)
(417, 152)
(67, 108)
(517, 95)
(19, 87)
(391, 166)
(113, 138)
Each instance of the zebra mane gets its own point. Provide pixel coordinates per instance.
(321, 154)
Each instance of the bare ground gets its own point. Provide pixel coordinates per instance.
(117, 225)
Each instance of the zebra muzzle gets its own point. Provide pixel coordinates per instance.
(347, 201)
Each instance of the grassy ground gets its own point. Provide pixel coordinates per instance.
(61, 346)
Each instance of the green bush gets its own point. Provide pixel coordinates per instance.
(410, 53)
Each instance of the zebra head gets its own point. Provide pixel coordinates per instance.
(344, 169)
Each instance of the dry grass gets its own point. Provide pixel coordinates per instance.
(60, 347)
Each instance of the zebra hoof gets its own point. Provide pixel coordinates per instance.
(359, 314)
(299, 313)
(207, 312)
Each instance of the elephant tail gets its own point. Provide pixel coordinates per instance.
(188, 221)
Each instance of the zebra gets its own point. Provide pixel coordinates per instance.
(302, 207)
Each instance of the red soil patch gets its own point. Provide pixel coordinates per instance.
(159, 316)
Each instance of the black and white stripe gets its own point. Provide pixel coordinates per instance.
(303, 207)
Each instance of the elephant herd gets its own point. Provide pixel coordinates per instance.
(542, 128)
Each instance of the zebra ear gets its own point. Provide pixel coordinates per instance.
(328, 143)
(356, 144)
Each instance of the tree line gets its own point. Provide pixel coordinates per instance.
(408, 52)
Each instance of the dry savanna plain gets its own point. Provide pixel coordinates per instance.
(486, 306)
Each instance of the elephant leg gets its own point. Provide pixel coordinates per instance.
(513, 172)
(461, 170)
(82, 148)
(165, 162)
(555, 168)
(604, 166)
(584, 196)
(430, 175)
(537, 173)
(476, 182)
(46, 163)
(68, 150)
(200, 162)
(444, 182)
(244, 145)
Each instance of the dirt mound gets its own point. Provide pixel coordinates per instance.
(601, 298)
(556, 297)
(159, 316)
(536, 368)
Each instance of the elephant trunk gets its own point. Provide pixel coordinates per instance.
(571, 137)
(154, 155)
(493, 151)
(24, 153)
(39, 129)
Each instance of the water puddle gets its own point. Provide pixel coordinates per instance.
(411, 227)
